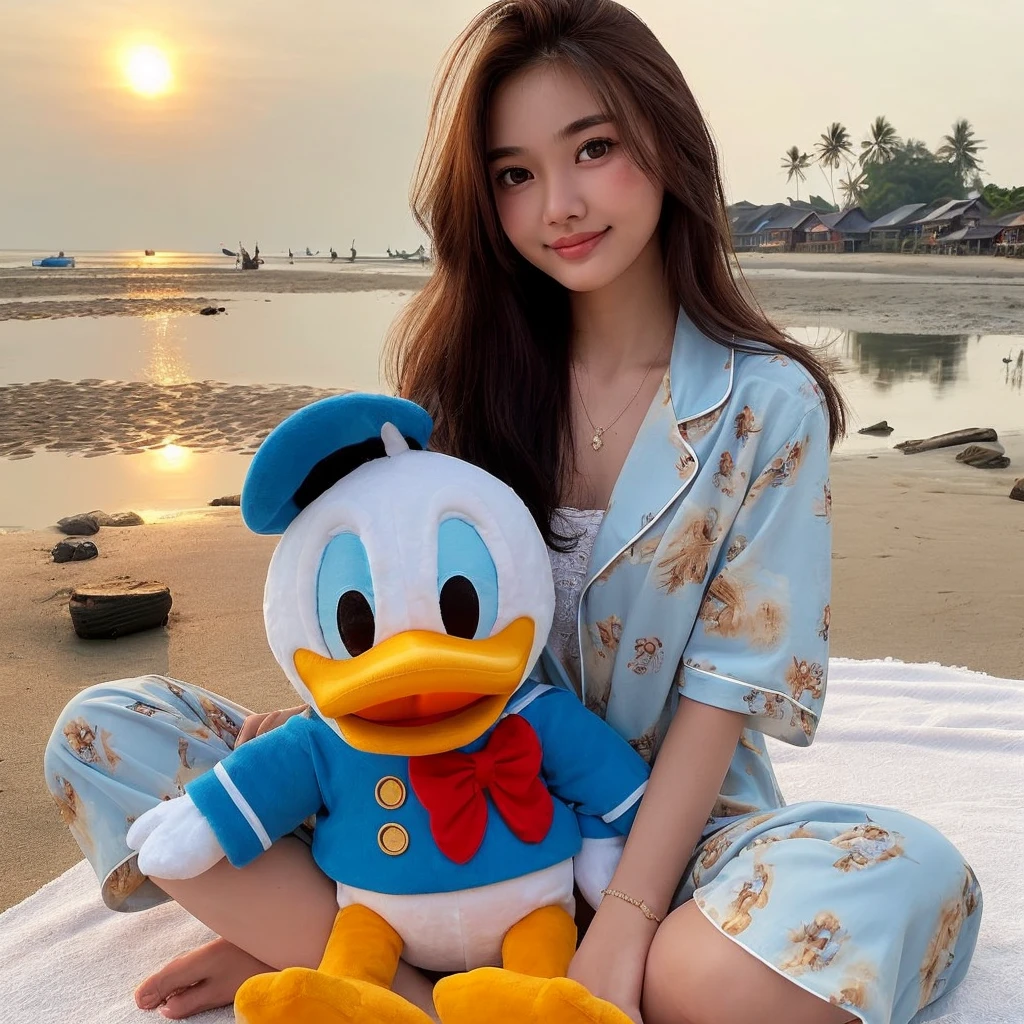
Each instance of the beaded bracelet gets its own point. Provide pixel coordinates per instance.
(639, 904)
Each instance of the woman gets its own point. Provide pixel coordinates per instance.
(584, 338)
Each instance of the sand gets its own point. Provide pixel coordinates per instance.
(102, 417)
(873, 292)
(928, 552)
(897, 294)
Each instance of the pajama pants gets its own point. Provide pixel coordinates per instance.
(867, 907)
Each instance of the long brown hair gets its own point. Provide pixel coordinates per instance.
(484, 346)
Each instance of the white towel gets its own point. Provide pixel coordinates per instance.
(946, 744)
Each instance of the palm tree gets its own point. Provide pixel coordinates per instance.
(881, 145)
(794, 163)
(832, 147)
(853, 189)
(961, 149)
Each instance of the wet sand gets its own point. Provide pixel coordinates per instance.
(166, 283)
(880, 292)
(103, 417)
(927, 551)
(885, 292)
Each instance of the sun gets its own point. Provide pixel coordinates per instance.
(148, 70)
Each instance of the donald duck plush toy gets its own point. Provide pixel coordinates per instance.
(408, 601)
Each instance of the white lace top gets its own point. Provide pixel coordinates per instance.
(569, 569)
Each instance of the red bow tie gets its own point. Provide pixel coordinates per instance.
(452, 788)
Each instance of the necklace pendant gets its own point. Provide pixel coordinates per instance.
(596, 442)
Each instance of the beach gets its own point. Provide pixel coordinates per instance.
(871, 292)
(927, 558)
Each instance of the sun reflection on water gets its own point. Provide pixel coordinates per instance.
(170, 458)
(166, 363)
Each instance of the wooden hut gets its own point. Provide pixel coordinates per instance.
(846, 231)
(787, 230)
(748, 223)
(978, 238)
(950, 217)
(1010, 239)
(888, 231)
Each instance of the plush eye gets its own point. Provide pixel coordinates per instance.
(467, 581)
(460, 608)
(355, 622)
(344, 598)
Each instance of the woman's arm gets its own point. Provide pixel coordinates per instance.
(684, 785)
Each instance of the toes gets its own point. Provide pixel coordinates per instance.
(218, 968)
(192, 1000)
(180, 973)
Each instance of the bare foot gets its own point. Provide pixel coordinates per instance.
(204, 979)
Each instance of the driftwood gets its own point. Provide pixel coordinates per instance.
(882, 427)
(970, 435)
(984, 457)
(1017, 491)
(105, 611)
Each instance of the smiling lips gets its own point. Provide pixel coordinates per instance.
(575, 247)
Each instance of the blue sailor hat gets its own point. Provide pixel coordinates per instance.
(315, 447)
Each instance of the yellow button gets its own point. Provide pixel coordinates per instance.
(390, 792)
(393, 839)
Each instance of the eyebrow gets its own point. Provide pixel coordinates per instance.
(581, 124)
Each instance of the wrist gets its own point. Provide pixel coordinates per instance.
(640, 905)
(625, 919)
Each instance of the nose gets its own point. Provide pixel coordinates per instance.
(562, 200)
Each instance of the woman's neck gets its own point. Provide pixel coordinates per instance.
(628, 323)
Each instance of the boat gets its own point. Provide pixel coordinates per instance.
(248, 262)
(55, 261)
(151, 252)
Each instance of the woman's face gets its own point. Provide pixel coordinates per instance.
(569, 197)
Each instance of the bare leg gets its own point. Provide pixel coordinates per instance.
(697, 975)
(279, 909)
(277, 912)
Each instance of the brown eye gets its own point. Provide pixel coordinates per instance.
(460, 608)
(596, 148)
(355, 622)
(512, 176)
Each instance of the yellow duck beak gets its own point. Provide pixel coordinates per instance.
(419, 692)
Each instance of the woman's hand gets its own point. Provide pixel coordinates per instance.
(611, 958)
(257, 725)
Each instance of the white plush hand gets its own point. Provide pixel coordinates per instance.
(174, 840)
(595, 864)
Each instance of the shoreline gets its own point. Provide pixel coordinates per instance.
(862, 292)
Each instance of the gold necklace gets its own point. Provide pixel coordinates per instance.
(597, 441)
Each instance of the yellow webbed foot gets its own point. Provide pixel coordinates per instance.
(490, 995)
(313, 997)
(531, 988)
(352, 985)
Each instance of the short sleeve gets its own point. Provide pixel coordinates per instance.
(760, 643)
(587, 764)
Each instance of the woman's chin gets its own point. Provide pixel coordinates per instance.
(584, 276)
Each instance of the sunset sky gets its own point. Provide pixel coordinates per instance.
(299, 124)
